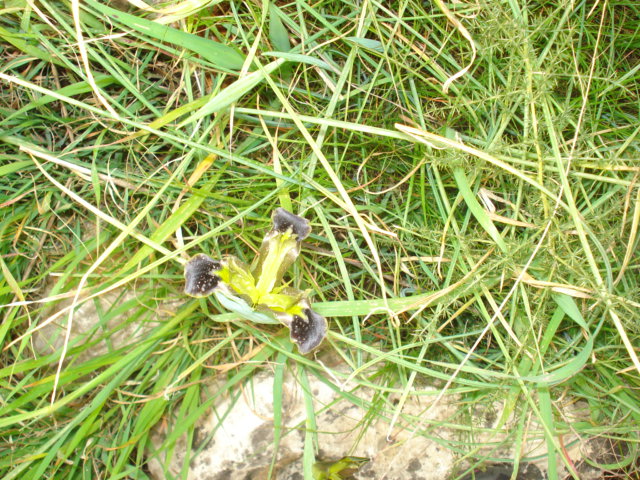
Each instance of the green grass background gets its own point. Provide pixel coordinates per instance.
(471, 172)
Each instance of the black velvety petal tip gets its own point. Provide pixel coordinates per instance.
(284, 220)
(200, 276)
(308, 332)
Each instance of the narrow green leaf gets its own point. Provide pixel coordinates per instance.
(311, 428)
(568, 306)
(546, 416)
(175, 220)
(69, 91)
(476, 209)
(117, 372)
(278, 393)
(19, 42)
(14, 167)
(9, 278)
(299, 58)
(95, 181)
(368, 43)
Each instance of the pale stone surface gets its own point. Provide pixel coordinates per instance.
(242, 446)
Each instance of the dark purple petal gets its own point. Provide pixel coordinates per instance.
(200, 276)
(284, 220)
(308, 331)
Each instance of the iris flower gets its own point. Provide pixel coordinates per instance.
(257, 293)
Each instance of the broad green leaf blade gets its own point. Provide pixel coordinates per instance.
(277, 32)
(233, 92)
(218, 54)
(368, 43)
(568, 370)
(13, 167)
